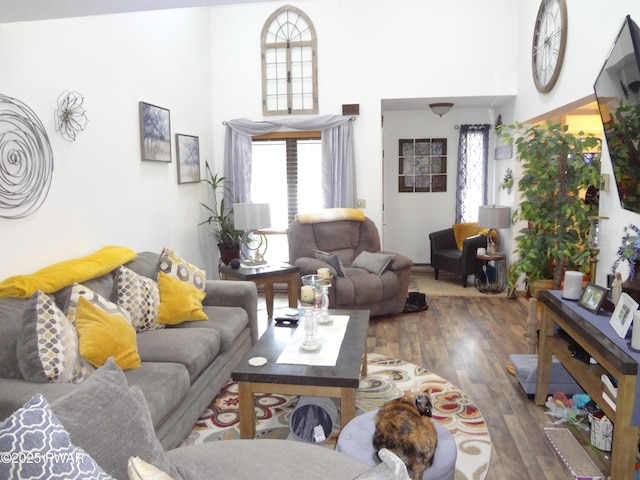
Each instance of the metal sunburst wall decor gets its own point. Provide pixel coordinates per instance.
(71, 118)
(26, 160)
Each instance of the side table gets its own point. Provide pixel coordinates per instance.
(267, 275)
(491, 276)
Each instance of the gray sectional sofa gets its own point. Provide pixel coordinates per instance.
(124, 423)
(183, 366)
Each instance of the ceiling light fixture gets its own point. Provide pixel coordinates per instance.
(440, 108)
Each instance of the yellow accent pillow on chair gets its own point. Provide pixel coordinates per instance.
(462, 231)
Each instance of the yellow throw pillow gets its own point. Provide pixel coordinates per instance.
(179, 301)
(462, 231)
(102, 335)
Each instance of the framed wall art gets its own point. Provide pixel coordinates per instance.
(422, 165)
(623, 314)
(155, 133)
(188, 153)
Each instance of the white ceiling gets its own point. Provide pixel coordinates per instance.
(26, 10)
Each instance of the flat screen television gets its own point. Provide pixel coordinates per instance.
(617, 91)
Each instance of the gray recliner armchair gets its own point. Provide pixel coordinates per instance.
(445, 254)
(349, 245)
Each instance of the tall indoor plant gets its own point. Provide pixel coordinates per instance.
(221, 218)
(557, 169)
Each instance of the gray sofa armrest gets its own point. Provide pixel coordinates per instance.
(231, 293)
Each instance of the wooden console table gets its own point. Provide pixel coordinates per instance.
(611, 357)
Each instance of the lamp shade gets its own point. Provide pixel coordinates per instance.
(251, 216)
(494, 216)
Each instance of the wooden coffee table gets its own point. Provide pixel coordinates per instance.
(339, 381)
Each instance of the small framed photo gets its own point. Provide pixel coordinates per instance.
(623, 315)
(592, 297)
(188, 149)
(155, 133)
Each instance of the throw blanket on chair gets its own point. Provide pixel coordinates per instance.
(331, 215)
(54, 277)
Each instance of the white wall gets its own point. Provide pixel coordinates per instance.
(410, 217)
(368, 51)
(593, 27)
(101, 192)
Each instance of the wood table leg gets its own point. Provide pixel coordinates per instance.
(268, 297)
(347, 405)
(544, 358)
(292, 289)
(625, 435)
(246, 410)
(363, 372)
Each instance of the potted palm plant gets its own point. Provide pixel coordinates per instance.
(558, 167)
(221, 218)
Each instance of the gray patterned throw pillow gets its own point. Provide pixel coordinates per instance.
(35, 445)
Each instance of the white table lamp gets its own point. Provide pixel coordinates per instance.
(493, 217)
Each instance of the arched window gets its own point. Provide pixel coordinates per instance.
(289, 71)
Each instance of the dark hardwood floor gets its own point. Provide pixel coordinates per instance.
(468, 340)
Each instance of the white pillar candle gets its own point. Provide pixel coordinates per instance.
(572, 285)
(635, 332)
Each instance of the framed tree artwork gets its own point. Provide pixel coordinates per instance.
(155, 133)
(188, 152)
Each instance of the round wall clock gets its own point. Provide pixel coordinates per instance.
(549, 41)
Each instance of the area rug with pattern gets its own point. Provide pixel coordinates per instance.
(387, 378)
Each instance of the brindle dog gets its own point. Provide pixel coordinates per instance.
(404, 426)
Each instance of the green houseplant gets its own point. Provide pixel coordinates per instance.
(557, 168)
(221, 218)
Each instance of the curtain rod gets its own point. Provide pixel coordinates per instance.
(351, 119)
(456, 126)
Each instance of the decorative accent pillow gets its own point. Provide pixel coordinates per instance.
(104, 329)
(54, 277)
(47, 347)
(34, 434)
(331, 215)
(173, 265)
(462, 231)
(179, 301)
(112, 422)
(332, 259)
(102, 335)
(372, 262)
(140, 297)
(138, 469)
